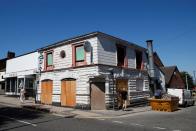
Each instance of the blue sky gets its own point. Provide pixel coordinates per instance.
(26, 25)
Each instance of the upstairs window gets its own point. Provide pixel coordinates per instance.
(121, 56)
(138, 60)
(49, 59)
(80, 53)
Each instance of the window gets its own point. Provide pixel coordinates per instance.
(138, 60)
(80, 53)
(121, 55)
(139, 85)
(49, 59)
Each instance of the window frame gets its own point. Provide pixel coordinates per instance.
(74, 61)
(125, 63)
(46, 66)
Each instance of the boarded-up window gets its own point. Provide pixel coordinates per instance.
(49, 59)
(80, 53)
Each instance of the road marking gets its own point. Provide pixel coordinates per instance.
(25, 122)
(176, 130)
(160, 128)
(120, 122)
(136, 124)
(101, 119)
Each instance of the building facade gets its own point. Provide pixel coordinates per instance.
(10, 55)
(90, 71)
(21, 72)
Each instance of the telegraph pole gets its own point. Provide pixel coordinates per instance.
(187, 85)
(194, 77)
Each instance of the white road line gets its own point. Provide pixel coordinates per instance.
(176, 130)
(101, 119)
(120, 122)
(160, 128)
(25, 122)
(136, 124)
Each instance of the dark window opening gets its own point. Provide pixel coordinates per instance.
(138, 60)
(121, 54)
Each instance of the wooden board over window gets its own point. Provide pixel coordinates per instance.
(121, 85)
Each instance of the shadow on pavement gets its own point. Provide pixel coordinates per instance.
(10, 114)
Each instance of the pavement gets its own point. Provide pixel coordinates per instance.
(70, 112)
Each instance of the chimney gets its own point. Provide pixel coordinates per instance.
(151, 59)
(10, 55)
(151, 68)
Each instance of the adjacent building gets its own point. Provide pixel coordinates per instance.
(2, 70)
(21, 72)
(173, 78)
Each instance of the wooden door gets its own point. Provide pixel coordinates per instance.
(68, 93)
(120, 86)
(46, 92)
(98, 96)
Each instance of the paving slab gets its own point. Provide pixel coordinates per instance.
(70, 112)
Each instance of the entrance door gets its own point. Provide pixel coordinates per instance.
(68, 93)
(98, 96)
(121, 85)
(46, 92)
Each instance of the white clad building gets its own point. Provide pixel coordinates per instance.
(91, 70)
(21, 70)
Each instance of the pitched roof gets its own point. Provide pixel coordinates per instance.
(86, 36)
(168, 71)
(157, 60)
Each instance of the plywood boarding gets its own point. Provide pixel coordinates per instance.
(68, 93)
(46, 92)
(98, 96)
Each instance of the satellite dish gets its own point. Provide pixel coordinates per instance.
(87, 46)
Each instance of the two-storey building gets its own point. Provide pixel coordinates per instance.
(89, 71)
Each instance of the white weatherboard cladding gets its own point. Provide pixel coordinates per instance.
(145, 59)
(131, 58)
(107, 51)
(66, 62)
(161, 77)
(22, 63)
(81, 75)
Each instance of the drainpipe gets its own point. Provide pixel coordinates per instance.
(151, 69)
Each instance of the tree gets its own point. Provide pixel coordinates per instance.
(189, 79)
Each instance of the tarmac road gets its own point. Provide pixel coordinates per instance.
(19, 119)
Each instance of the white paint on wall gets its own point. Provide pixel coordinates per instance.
(23, 63)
